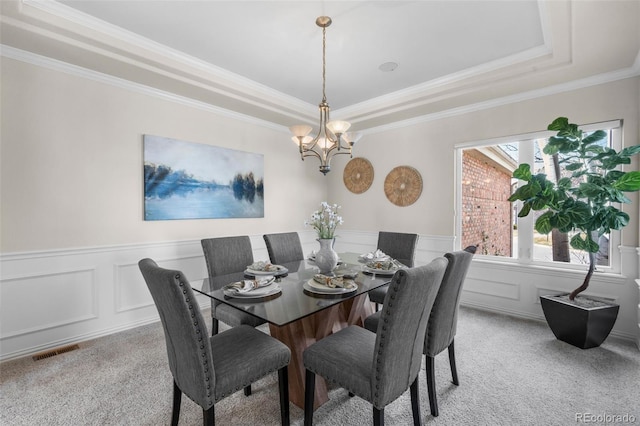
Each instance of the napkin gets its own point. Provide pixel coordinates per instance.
(386, 265)
(333, 282)
(264, 266)
(249, 285)
(375, 255)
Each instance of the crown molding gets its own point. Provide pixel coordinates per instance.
(591, 81)
(56, 65)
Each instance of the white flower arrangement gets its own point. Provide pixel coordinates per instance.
(326, 220)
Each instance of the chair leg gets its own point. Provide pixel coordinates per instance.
(247, 391)
(177, 399)
(415, 403)
(431, 385)
(452, 363)
(214, 326)
(283, 385)
(209, 417)
(378, 417)
(309, 395)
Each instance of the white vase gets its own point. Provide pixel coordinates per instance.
(326, 257)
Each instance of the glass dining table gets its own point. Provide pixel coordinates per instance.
(301, 314)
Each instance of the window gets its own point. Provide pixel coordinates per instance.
(487, 219)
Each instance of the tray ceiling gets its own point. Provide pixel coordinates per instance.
(263, 58)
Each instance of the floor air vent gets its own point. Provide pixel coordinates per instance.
(55, 352)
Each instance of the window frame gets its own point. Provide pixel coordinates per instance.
(523, 253)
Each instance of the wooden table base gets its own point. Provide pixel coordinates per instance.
(301, 334)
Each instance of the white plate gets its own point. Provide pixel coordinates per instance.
(362, 259)
(281, 271)
(316, 287)
(379, 271)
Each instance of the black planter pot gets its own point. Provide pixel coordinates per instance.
(579, 326)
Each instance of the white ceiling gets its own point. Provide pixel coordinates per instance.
(264, 58)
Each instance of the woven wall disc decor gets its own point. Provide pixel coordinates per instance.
(358, 175)
(403, 186)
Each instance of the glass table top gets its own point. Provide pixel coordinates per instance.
(294, 302)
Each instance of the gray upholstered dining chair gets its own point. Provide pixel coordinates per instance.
(284, 247)
(399, 246)
(208, 369)
(224, 256)
(441, 329)
(380, 366)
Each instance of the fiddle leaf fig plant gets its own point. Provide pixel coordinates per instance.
(583, 203)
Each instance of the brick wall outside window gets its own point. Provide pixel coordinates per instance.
(486, 213)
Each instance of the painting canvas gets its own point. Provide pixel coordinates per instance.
(185, 180)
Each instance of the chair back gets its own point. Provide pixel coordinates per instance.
(284, 247)
(185, 332)
(226, 255)
(399, 246)
(444, 316)
(401, 329)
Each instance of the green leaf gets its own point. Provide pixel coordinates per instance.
(630, 150)
(590, 190)
(526, 192)
(628, 182)
(617, 196)
(573, 166)
(620, 220)
(538, 204)
(523, 172)
(530, 190)
(594, 137)
(543, 224)
(613, 175)
(578, 243)
(559, 124)
(586, 244)
(561, 221)
(614, 160)
(564, 183)
(524, 211)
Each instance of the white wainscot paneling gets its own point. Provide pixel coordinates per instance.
(53, 298)
(49, 300)
(493, 287)
(515, 289)
(131, 290)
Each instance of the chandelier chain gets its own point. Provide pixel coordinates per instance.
(324, 63)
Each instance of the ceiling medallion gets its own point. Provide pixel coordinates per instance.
(403, 186)
(358, 175)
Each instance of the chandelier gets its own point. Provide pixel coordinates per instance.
(332, 137)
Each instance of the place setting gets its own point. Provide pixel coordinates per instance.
(379, 263)
(331, 286)
(258, 288)
(265, 268)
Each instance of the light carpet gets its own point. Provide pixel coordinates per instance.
(512, 372)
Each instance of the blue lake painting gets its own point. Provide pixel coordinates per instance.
(185, 180)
